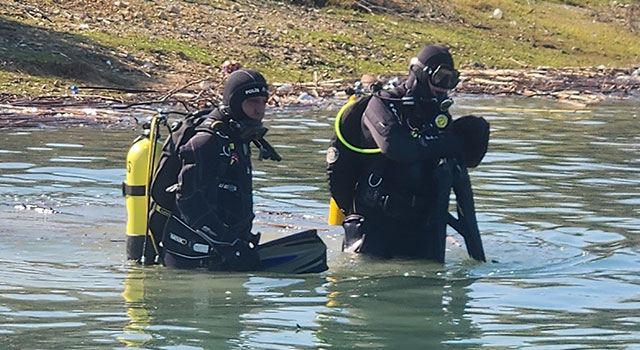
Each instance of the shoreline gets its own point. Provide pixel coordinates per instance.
(578, 87)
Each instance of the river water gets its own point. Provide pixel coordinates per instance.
(558, 202)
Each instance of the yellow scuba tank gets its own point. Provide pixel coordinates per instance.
(336, 216)
(136, 188)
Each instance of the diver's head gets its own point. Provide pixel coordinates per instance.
(432, 72)
(245, 95)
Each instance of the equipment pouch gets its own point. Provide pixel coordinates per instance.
(181, 240)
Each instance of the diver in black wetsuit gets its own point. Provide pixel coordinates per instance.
(400, 207)
(214, 189)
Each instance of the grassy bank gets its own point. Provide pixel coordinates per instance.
(48, 45)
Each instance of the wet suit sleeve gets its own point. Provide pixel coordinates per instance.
(395, 140)
(197, 198)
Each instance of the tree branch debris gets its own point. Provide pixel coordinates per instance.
(575, 86)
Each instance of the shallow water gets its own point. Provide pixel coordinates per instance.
(558, 203)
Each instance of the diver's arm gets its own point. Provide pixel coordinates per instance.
(396, 142)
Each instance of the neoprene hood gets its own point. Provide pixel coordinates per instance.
(430, 56)
(241, 85)
(434, 55)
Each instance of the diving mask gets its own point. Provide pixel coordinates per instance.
(443, 77)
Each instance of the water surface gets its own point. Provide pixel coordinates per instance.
(558, 205)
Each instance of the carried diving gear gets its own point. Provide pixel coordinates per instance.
(473, 132)
(181, 240)
(203, 245)
(440, 210)
(466, 224)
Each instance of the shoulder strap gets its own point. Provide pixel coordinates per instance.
(211, 125)
(348, 122)
(218, 128)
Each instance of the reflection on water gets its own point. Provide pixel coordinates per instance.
(558, 204)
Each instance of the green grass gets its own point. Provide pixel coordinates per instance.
(549, 33)
(529, 34)
(139, 43)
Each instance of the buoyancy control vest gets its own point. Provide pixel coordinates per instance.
(164, 181)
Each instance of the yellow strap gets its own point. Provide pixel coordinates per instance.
(215, 122)
(163, 211)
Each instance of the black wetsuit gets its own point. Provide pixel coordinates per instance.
(397, 193)
(214, 186)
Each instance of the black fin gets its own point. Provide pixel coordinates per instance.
(302, 252)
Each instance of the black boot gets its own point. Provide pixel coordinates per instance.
(353, 233)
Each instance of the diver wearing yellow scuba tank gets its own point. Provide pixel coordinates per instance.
(198, 192)
(214, 190)
(391, 161)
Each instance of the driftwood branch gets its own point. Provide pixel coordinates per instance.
(364, 7)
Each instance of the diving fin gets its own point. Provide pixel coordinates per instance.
(466, 224)
(302, 252)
